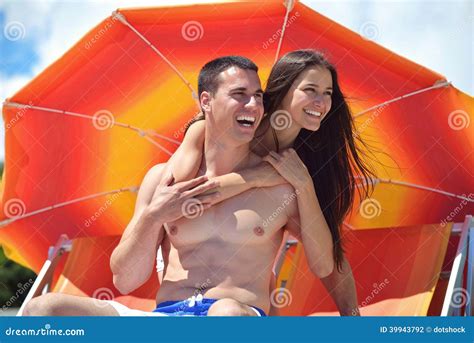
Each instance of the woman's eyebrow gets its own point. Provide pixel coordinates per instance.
(317, 86)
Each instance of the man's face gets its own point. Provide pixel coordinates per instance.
(236, 108)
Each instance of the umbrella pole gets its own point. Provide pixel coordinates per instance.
(45, 276)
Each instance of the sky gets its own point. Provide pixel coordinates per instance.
(436, 34)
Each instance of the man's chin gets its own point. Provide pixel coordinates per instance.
(244, 134)
(244, 138)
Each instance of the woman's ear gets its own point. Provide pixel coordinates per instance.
(205, 100)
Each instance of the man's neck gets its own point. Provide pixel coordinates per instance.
(220, 158)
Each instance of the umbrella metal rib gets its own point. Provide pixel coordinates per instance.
(111, 122)
(413, 185)
(144, 133)
(289, 7)
(435, 86)
(65, 203)
(124, 21)
(135, 188)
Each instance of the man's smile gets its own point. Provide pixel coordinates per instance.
(246, 120)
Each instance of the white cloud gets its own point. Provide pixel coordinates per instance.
(59, 24)
(11, 85)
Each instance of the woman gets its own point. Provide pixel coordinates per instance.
(307, 135)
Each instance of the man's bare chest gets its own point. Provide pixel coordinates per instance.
(252, 217)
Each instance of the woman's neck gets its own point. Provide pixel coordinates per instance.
(286, 137)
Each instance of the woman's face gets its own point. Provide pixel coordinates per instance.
(309, 98)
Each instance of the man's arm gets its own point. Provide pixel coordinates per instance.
(341, 287)
(235, 183)
(132, 260)
(186, 160)
(158, 202)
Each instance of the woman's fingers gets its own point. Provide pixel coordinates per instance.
(267, 158)
(275, 164)
(275, 155)
(201, 189)
(185, 185)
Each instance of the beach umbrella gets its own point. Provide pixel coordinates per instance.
(82, 134)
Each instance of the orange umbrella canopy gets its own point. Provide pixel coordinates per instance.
(82, 134)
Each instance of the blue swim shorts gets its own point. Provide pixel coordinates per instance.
(195, 306)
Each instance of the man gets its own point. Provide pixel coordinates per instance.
(218, 257)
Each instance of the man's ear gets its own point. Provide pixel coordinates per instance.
(205, 101)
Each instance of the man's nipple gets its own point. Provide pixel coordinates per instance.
(173, 230)
(258, 231)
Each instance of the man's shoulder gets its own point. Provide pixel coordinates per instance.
(154, 175)
(156, 170)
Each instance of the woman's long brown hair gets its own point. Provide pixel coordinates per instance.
(331, 154)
